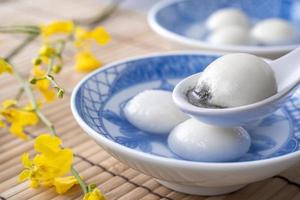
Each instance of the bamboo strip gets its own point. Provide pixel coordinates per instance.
(127, 188)
(296, 197)
(48, 111)
(139, 192)
(247, 191)
(150, 197)
(5, 137)
(268, 190)
(287, 192)
(221, 197)
(175, 195)
(162, 190)
(193, 197)
(105, 178)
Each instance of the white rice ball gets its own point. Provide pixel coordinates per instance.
(235, 80)
(274, 31)
(196, 141)
(231, 35)
(154, 111)
(225, 17)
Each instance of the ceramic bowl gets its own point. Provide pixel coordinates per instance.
(183, 21)
(97, 104)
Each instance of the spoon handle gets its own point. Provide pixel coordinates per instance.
(287, 69)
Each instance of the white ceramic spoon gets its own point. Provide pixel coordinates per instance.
(287, 70)
(287, 73)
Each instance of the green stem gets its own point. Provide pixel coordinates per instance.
(25, 85)
(18, 31)
(52, 80)
(19, 94)
(79, 179)
(33, 101)
(62, 45)
(60, 49)
(45, 120)
(50, 66)
(48, 76)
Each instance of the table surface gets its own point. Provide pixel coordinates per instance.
(131, 36)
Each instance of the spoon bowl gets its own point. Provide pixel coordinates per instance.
(228, 117)
(287, 74)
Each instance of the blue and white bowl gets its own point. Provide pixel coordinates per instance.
(97, 104)
(183, 21)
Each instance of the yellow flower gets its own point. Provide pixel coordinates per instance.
(27, 163)
(85, 61)
(2, 124)
(44, 85)
(94, 195)
(47, 144)
(63, 184)
(57, 27)
(18, 117)
(49, 166)
(81, 33)
(8, 103)
(47, 51)
(53, 155)
(5, 67)
(98, 34)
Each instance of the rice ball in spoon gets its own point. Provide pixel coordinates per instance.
(227, 17)
(230, 35)
(274, 31)
(234, 80)
(196, 141)
(154, 111)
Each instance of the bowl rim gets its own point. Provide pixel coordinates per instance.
(156, 26)
(159, 159)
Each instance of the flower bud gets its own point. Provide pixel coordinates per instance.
(33, 81)
(60, 93)
(56, 68)
(36, 61)
(47, 51)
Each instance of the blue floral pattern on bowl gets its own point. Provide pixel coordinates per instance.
(101, 98)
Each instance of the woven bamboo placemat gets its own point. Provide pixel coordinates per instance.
(130, 36)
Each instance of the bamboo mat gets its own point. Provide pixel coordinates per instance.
(131, 36)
